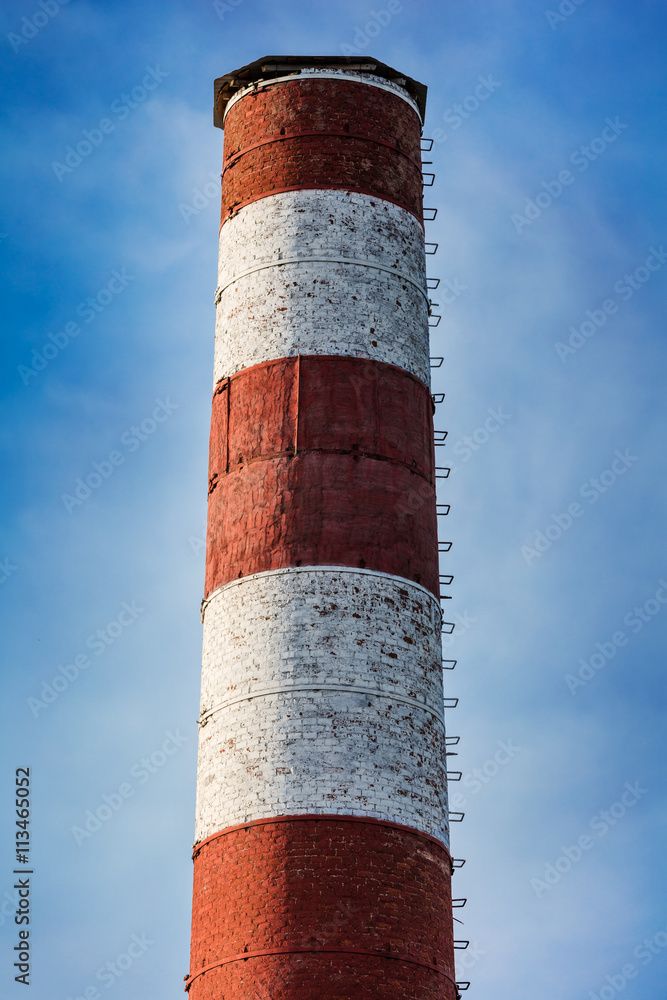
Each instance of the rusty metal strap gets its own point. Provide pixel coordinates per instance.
(320, 260)
(231, 160)
(244, 956)
(346, 76)
(345, 688)
(236, 207)
(325, 568)
(291, 452)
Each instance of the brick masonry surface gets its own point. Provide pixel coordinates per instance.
(376, 149)
(322, 751)
(369, 79)
(321, 842)
(322, 977)
(322, 308)
(322, 460)
(309, 888)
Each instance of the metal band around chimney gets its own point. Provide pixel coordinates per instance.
(338, 688)
(320, 260)
(369, 80)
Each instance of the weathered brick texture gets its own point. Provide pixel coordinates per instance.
(323, 307)
(322, 883)
(319, 460)
(366, 78)
(323, 977)
(385, 162)
(285, 750)
(325, 624)
(322, 834)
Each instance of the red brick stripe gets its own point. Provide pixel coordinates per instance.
(303, 976)
(322, 461)
(314, 818)
(244, 956)
(297, 135)
(326, 404)
(344, 896)
(336, 120)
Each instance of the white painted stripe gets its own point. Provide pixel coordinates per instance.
(328, 74)
(327, 221)
(322, 693)
(346, 688)
(321, 260)
(350, 281)
(402, 580)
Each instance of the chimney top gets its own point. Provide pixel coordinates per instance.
(271, 67)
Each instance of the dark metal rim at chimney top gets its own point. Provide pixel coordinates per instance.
(270, 67)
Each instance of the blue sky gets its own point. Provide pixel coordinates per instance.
(551, 200)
